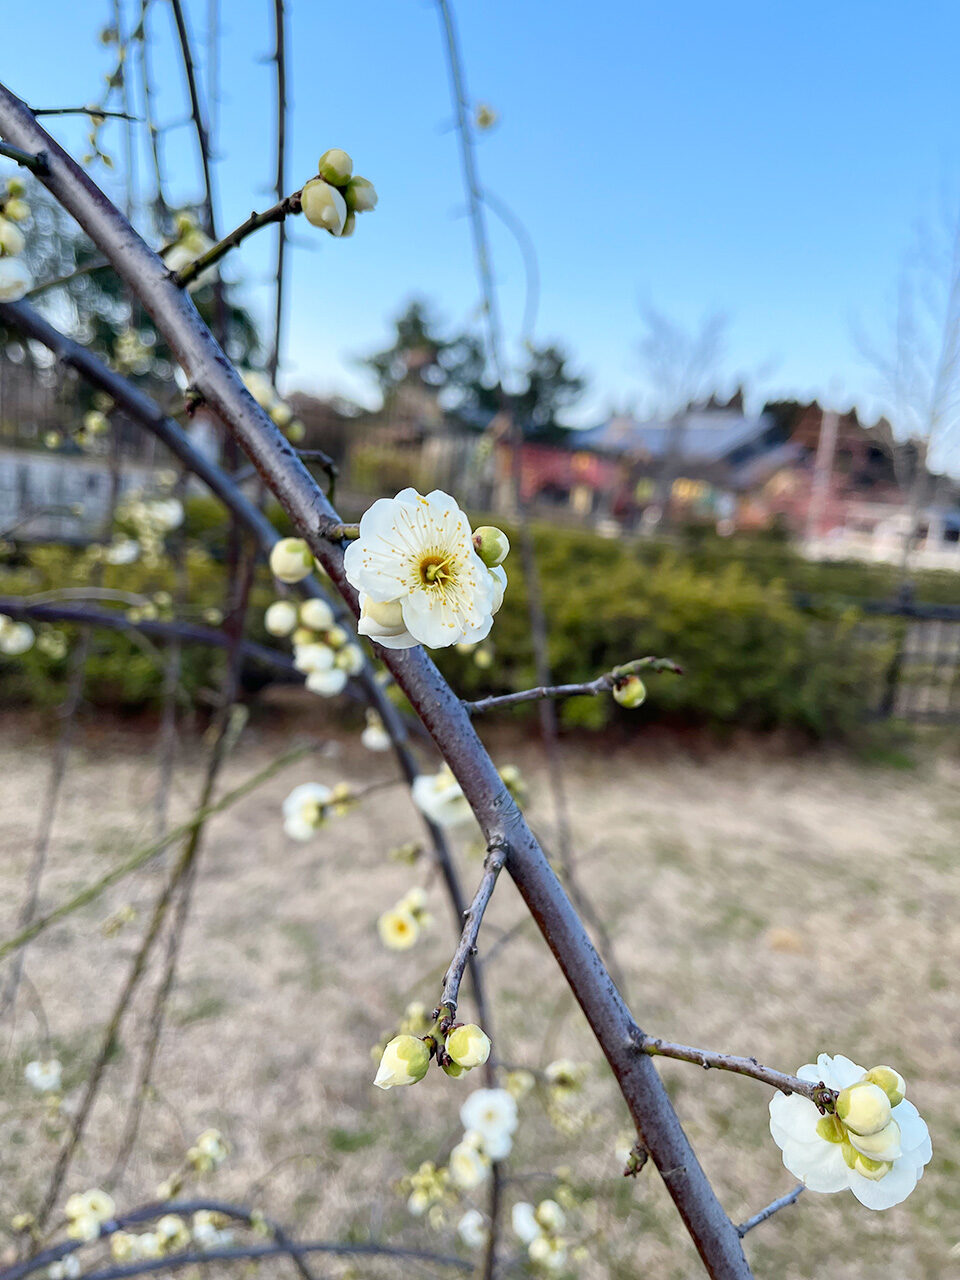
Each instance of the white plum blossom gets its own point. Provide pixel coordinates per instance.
(881, 1165)
(312, 657)
(122, 551)
(304, 809)
(317, 615)
(15, 637)
(67, 1268)
(472, 1229)
(491, 1113)
(419, 578)
(45, 1076)
(467, 1166)
(350, 659)
(440, 798)
(327, 683)
(323, 206)
(524, 1222)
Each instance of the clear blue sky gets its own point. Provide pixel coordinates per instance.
(763, 159)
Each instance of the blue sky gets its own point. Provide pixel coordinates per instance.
(762, 159)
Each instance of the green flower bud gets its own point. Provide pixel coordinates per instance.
(630, 692)
(303, 635)
(468, 1046)
(296, 431)
(891, 1082)
(11, 238)
(830, 1129)
(95, 422)
(16, 210)
(872, 1169)
(404, 1061)
(16, 186)
(491, 544)
(323, 206)
(360, 195)
(335, 166)
(290, 560)
(864, 1108)
(453, 1069)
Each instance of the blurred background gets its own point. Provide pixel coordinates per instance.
(719, 285)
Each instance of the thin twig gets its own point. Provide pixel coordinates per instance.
(818, 1093)
(790, 1198)
(278, 212)
(36, 163)
(280, 65)
(473, 918)
(602, 684)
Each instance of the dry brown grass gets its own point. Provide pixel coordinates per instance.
(775, 906)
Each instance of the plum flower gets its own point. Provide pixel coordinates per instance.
(45, 1077)
(305, 810)
(439, 797)
(472, 1229)
(878, 1151)
(491, 1113)
(419, 577)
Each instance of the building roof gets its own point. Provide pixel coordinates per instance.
(703, 437)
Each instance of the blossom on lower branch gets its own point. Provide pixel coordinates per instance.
(419, 574)
(875, 1143)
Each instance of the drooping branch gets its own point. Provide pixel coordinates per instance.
(282, 99)
(818, 1093)
(602, 684)
(774, 1207)
(467, 946)
(208, 369)
(144, 854)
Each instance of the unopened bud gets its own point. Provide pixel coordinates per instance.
(891, 1082)
(290, 560)
(323, 206)
(872, 1169)
(335, 166)
(349, 226)
(491, 544)
(468, 1046)
(280, 618)
(360, 195)
(884, 1145)
(864, 1108)
(316, 614)
(404, 1061)
(16, 210)
(630, 692)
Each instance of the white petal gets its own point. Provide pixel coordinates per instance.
(820, 1165)
(890, 1190)
(796, 1116)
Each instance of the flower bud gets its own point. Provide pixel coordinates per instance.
(296, 431)
(303, 635)
(630, 692)
(349, 226)
(491, 544)
(16, 210)
(335, 166)
(290, 560)
(323, 206)
(15, 279)
(404, 1061)
(95, 422)
(280, 618)
(316, 614)
(16, 186)
(468, 1046)
(360, 195)
(282, 414)
(11, 238)
(891, 1082)
(453, 1069)
(884, 1145)
(830, 1129)
(864, 1108)
(550, 1216)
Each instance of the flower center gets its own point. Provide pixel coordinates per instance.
(435, 569)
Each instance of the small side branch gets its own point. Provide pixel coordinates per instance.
(790, 1198)
(818, 1094)
(334, 531)
(473, 918)
(35, 162)
(290, 204)
(602, 684)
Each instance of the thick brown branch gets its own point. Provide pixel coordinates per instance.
(207, 368)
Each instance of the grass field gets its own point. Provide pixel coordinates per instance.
(761, 903)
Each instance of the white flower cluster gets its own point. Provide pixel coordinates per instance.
(439, 797)
(86, 1212)
(875, 1143)
(540, 1230)
(15, 279)
(406, 1057)
(170, 1234)
(322, 651)
(268, 398)
(145, 522)
(333, 199)
(15, 637)
(424, 577)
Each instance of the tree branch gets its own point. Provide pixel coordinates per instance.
(289, 205)
(35, 163)
(819, 1094)
(602, 684)
(790, 1198)
(208, 369)
(467, 946)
